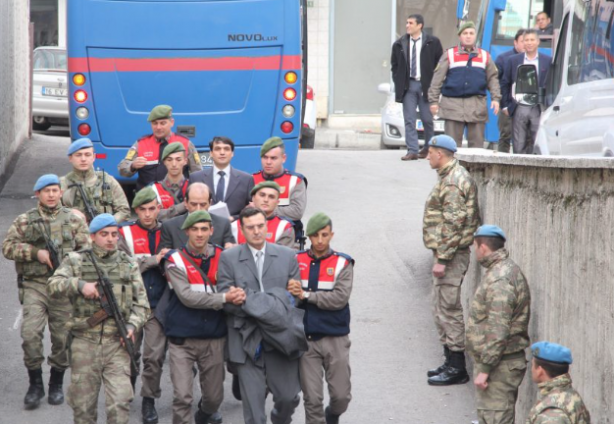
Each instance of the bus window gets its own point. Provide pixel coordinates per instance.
(578, 26)
(555, 75)
(517, 15)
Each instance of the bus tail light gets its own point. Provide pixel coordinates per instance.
(101, 155)
(288, 111)
(78, 79)
(289, 94)
(84, 129)
(287, 127)
(291, 77)
(80, 96)
(82, 113)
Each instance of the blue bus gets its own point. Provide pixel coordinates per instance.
(497, 23)
(227, 67)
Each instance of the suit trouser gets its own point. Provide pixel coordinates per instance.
(330, 355)
(505, 132)
(497, 404)
(154, 352)
(281, 375)
(475, 132)
(525, 123)
(208, 355)
(414, 98)
(38, 308)
(447, 307)
(92, 364)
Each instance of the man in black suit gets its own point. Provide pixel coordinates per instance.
(227, 184)
(197, 197)
(414, 58)
(526, 112)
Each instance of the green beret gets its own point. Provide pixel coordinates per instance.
(160, 112)
(265, 184)
(195, 218)
(172, 148)
(145, 195)
(465, 26)
(317, 222)
(271, 143)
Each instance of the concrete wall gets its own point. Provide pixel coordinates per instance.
(558, 214)
(14, 78)
(318, 54)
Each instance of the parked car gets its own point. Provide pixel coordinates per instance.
(393, 126)
(49, 88)
(308, 132)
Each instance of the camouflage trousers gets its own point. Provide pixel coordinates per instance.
(38, 309)
(497, 404)
(447, 307)
(154, 343)
(92, 364)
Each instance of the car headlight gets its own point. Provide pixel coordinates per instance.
(394, 110)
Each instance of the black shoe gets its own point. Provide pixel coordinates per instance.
(56, 381)
(36, 391)
(441, 368)
(330, 417)
(148, 411)
(449, 377)
(200, 417)
(216, 418)
(236, 388)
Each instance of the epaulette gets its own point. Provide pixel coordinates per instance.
(169, 254)
(144, 136)
(346, 257)
(286, 219)
(127, 223)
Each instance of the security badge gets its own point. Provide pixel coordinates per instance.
(330, 271)
(197, 158)
(282, 189)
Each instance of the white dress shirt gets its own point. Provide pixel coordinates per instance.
(418, 50)
(216, 179)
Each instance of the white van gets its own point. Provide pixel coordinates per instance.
(578, 118)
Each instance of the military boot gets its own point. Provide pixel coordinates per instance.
(56, 380)
(441, 368)
(330, 417)
(456, 373)
(36, 391)
(148, 411)
(200, 417)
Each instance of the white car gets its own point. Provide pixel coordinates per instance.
(49, 88)
(308, 132)
(393, 125)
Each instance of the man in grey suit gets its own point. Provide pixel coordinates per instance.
(258, 266)
(197, 197)
(227, 184)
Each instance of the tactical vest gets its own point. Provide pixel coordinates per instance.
(149, 148)
(287, 181)
(99, 195)
(61, 234)
(467, 73)
(275, 228)
(143, 245)
(321, 275)
(118, 273)
(184, 322)
(165, 197)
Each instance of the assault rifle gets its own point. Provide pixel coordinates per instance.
(51, 247)
(110, 309)
(90, 211)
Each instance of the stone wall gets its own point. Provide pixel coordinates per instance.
(558, 214)
(15, 76)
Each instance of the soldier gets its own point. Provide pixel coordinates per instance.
(451, 217)
(326, 277)
(560, 403)
(195, 324)
(140, 239)
(498, 329)
(171, 190)
(104, 194)
(97, 353)
(144, 155)
(265, 196)
(26, 244)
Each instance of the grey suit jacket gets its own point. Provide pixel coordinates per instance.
(237, 192)
(173, 237)
(237, 268)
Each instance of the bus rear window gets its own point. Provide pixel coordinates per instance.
(517, 15)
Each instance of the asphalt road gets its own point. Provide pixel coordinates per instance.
(376, 202)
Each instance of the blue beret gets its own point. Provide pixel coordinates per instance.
(490, 231)
(101, 221)
(444, 142)
(82, 143)
(46, 180)
(551, 352)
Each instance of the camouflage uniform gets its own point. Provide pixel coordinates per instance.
(451, 216)
(560, 404)
(498, 334)
(23, 241)
(105, 197)
(96, 352)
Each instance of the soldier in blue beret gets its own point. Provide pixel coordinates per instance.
(560, 403)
